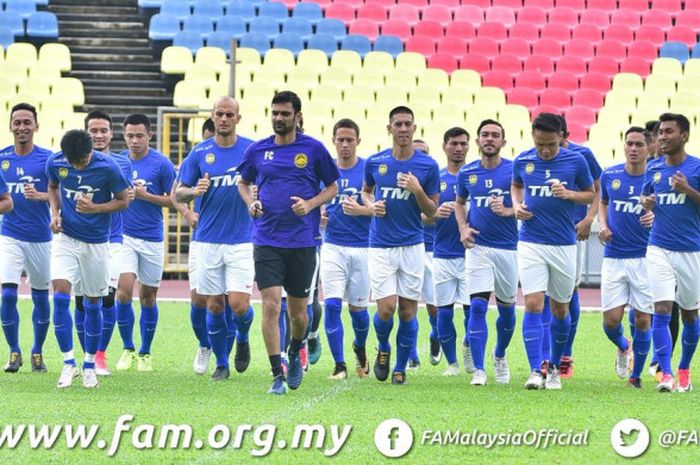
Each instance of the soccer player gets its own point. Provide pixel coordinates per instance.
(489, 232)
(428, 291)
(142, 253)
(288, 168)
(99, 125)
(671, 185)
(448, 263)
(400, 183)
(224, 233)
(548, 182)
(85, 188)
(344, 253)
(208, 129)
(26, 242)
(624, 230)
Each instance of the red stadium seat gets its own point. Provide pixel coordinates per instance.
(692, 5)
(507, 64)
(364, 27)
(484, 46)
(384, 3)
(526, 31)
(643, 49)
(507, 3)
(341, 11)
(495, 31)
(478, 63)
(530, 80)
(555, 97)
(596, 81)
(631, 18)
(546, 5)
(683, 34)
(611, 48)
(453, 45)
(579, 48)
(565, 81)
(548, 47)
(588, 98)
(443, 61)
(636, 65)
(429, 28)
(470, 13)
(624, 34)
(525, 97)
(497, 79)
(580, 115)
(421, 44)
(451, 4)
(417, 3)
(355, 3)
(556, 31)
(564, 15)
(659, 18)
(439, 13)
(571, 64)
(672, 6)
(400, 29)
(545, 109)
(517, 47)
(533, 15)
(600, 18)
(651, 33)
(460, 29)
(639, 5)
(542, 64)
(501, 14)
(577, 132)
(373, 12)
(607, 5)
(688, 18)
(604, 65)
(480, 3)
(588, 32)
(578, 5)
(408, 13)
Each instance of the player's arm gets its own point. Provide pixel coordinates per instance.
(120, 201)
(604, 234)
(517, 193)
(303, 207)
(426, 203)
(191, 216)
(245, 190)
(54, 194)
(30, 193)
(140, 192)
(6, 204)
(584, 196)
(185, 193)
(378, 207)
(583, 228)
(680, 183)
(466, 232)
(352, 207)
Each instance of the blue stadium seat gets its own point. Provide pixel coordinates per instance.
(202, 25)
(243, 9)
(356, 42)
(310, 11)
(274, 10)
(291, 41)
(677, 50)
(389, 44)
(22, 7)
(324, 42)
(163, 27)
(13, 21)
(301, 26)
(696, 51)
(256, 40)
(263, 25)
(190, 40)
(332, 26)
(177, 8)
(43, 24)
(232, 26)
(209, 8)
(222, 39)
(7, 38)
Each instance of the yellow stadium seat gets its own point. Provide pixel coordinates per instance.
(340, 77)
(7, 87)
(313, 58)
(393, 99)
(629, 82)
(410, 76)
(40, 87)
(603, 134)
(369, 78)
(490, 97)
(278, 60)
(71, 89)
(359, 94)
(51, 107)
(201, 75)
(355, 112)
(513, 112)
(654, 98)
(251, 128)
(55, 55)
(424, 95)
(379, 112)
(74, 120)
(269, 79)
(21, 52)
(397, 81)
(38, 71)
(410, 60)
(689, 83)
(660, 84)
(450, 113)
(302, 78)
(326, 93)
(258, 93)
(247, 56)
(623, 99)
(467, 78)
(434, 77)
(175, 60)
(692, 67)
(14, 71)
(610, 117)
(214, 57)
(221, 89)
(667, 67)
(646, 111)
(189, 94)
(476, 115)
(346, 59)
(377, 61)
(421, 112)
(463, 95)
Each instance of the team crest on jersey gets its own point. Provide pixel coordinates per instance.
(530, 168)
(472, 179)
(300, 160)
(443, 186)
(210, 158)
(657, 177)
(616, 184)
(383, 169)
(5, 165)
(63, 172)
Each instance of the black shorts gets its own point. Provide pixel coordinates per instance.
(293, 269)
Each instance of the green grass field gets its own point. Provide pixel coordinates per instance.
(595, 400)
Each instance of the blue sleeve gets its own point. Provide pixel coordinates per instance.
(369, 179)
(648, 186)
(326, 169)
(583, 175)
(167, 175)
(604, 197)
(516, 173)
(593, 165)
(117, 181)
(189, 170)
(462, 190)
(432, 181)
(247, 168)
(50, 173)
(126, 171)
(3, 185)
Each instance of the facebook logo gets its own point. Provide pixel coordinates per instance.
(393, 438)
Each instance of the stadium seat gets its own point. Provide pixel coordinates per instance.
(688, 17)
(500, 79)
(304, 79)
(263, 25)
(564, 15)
(6, 37)
(202, 25)
(455, 46)
(290, 41)
(389, 44)
(451, 4)
(643, 49)
(596, 17)
(629, 82)
(408, 13)
(377, 60)
(242, 9)
(484, 46)
(555, 97)
(324, 42)
(490, 30)
(364, 27)
(500, 14)
(696, 51)
(421, 44)
(510, 65)
(332, 26)
(539, 63)
(470, 13)
(55, 55)
(21, 52)
(300, 26)
(595, 81)
(438, 13)
(308, 10)
(631, 18)
(257, 41)
(572, 64)
(70, 89)
(588, 98)
(340, 77)
(191, 40)
(613, 49)
(187, 95)
(400, 29)
(517, 47)
(429, 28)
(556, 31)
(580, 115)
(605, 65)
(588, 32)
(341, 11)
(530, 80)
(177, 8)
(563, 80)
(311, 58)
(475, 62)
(274, 10)
(532, 15)
(546, 5)
(465, 79)
(43, 24)
(659, 18)
(163, 27)
(461, 29)
(176, 60)
(635, 65)
(602, 4)
(372, 12)
(490, 97)
(231, 26)
(212, 9)
(621, 33)
(524, 31)
(650, 33)
(548, 47)
(580, 48)
(667, 67)
(682, 34)
(676, 50)
(435, 78)
(24, 8)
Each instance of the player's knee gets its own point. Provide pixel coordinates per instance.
(689, 316)
(79, 303)
(481, 295)
(108, 300)
(9, 286)
(642, 321)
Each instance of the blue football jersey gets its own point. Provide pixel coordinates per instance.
(593, 165)
(447, 244)
(197, 202)
(116, 233)
(342, 229)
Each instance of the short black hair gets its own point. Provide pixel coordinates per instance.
(208, 125)
(652, 126)
(639, 130)
(401, 109)
(98, 114)
(287, 96)
(680, 120)
(454, 132)
(25, 106)
(547, 122)
(76, 144)
(564, 127)
(136, 119)
(488, 121)
(348, 124)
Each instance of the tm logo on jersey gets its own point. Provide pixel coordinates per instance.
(87, 191)
(226, 180)
(545, 191)
(670, 198)
(484, 201)
(632, 206)
(18, 187)
(348, 193)
(395, 193)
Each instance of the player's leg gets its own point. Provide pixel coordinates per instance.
(408, 289)
(383, 271)
(239, 286)
(198, 313)
(567, 361)
(38, 267)
(335, 268)
(546, 339)
(125, 309)
(614, 296)
(358, 299)
(109, 309)
(505, 287)
(65, 262)
(428, 293)
(313, 342)
(448, 276)
(688, 295)
(641, 299)
(478, 334)
(150, 273)
(11, 272)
